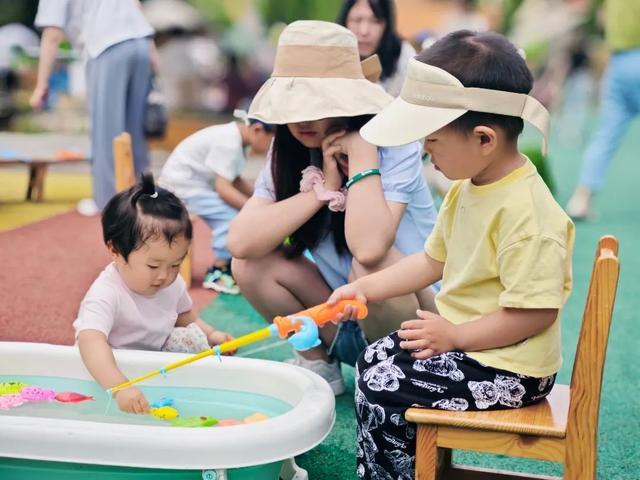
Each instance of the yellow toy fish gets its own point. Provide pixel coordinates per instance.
(11, 388)
(165, 413)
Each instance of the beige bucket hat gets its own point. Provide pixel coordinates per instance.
(431, 98)
(318, 74)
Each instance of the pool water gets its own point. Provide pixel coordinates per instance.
(189, 402)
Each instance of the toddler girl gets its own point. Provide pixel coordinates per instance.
(139, 301)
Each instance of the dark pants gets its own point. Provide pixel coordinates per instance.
(389, 380)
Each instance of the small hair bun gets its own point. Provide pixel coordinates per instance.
(146, 186)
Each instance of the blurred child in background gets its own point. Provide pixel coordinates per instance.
(205, 170)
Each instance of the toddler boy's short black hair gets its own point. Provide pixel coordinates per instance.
(143, 212)
(482, 60)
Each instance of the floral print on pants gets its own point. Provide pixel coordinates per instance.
(389, 380)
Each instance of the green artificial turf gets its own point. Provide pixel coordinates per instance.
(617, 213)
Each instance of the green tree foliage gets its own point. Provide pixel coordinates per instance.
(214, 11)
(272, 11)
(288, 11)
(21, 11)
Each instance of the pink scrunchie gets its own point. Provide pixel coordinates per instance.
(313, 179)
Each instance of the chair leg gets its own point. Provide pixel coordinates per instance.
(31, 184)
(35, 187)
(426, 452)
(186, 266)
(41, 173)
(580, 460)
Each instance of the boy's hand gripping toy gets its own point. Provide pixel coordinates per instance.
(300, 329)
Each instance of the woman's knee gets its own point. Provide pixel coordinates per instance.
(245, 271)
(261, 270)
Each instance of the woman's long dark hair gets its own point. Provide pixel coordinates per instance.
(390, 43)
(289, 158)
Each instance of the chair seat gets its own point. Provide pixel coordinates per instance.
(545, 419)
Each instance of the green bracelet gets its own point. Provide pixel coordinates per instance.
(359, 176)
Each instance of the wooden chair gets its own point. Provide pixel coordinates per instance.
(125, 178)
(562, 428)
(186, 267)
(123, 162)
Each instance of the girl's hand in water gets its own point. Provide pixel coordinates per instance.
(349, 291)
(132, 400)
(330, 166)
(428, 335)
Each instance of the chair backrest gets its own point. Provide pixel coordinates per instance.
(586, 379)
(123, 162)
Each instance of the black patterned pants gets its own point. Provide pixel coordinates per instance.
(389, 380)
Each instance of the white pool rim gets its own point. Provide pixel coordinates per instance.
(149, 446)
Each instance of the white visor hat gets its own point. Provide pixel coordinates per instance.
(431, 98)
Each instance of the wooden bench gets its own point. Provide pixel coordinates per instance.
(39, 151)
(38, 171)
(562, 428)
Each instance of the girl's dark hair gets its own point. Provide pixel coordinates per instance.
(390, 43)
(289, 158)
(143, 212)
(482, 60)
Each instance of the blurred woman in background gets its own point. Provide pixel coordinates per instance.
(374, 24)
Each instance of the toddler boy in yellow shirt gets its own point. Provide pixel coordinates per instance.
(501, 246)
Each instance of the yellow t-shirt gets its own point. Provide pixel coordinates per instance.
(505, 244)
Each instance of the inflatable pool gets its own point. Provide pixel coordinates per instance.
(93, 439)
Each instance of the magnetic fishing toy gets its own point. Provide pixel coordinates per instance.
(300, 330)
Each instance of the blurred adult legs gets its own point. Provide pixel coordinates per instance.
(118, 82)
(620, 102)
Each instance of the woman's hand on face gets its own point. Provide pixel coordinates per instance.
(330, 166)
(359, 153)
(343, 163)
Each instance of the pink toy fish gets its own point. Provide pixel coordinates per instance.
(72, 397)
(37, 394)
(10, 401)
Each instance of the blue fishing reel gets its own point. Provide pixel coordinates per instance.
(308, 336)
